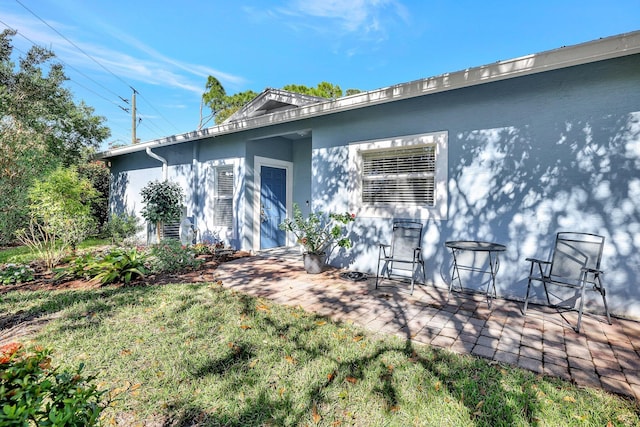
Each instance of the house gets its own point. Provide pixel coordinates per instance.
(508, 152)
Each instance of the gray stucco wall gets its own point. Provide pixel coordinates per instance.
(528, 157)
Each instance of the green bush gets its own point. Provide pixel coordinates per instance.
(122, 226)
(119, 265)
(32, 392)
(163, 203)
(171, 256)
(15, 273)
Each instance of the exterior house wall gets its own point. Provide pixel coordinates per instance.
(528, 157)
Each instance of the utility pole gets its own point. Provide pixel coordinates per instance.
(134, 139)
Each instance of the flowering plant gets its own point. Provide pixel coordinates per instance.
(318, 231)
(34, 392)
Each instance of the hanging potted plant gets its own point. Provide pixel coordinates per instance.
(317, 234)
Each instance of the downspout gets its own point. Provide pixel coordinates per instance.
(161, 159)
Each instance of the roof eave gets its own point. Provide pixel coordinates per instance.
(597, 50)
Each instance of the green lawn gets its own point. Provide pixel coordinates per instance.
(202, 355)
(23, 254)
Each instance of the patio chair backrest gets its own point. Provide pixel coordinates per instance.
(572, 252)
(407, 236)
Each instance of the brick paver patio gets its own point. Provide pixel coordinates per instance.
(602, 355)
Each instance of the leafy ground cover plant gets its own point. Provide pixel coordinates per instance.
(119, 265)
(34, 392)
(85, 266)
(205, 355)
(207, 248)
(171, 255)
(15, 273)
(114, 265)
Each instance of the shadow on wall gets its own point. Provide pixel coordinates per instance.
(118, 193)
(517, 186)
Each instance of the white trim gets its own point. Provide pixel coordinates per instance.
(258, 162)
(440, 209)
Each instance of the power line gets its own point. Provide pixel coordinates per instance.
(74, 45)
(100, 65)
(69, 66)
(156, 110)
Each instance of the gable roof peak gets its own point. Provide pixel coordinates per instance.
(272, 100)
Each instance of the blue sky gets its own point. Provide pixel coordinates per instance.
(166, 49)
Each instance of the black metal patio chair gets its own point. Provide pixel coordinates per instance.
(403, 254)
(575, 264)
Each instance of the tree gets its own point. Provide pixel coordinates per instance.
(163, 203)
(60, 211)
(98, 174)
(63, 201)
(41, 127)
(223, 106)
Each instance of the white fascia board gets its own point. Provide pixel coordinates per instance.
(597, 50)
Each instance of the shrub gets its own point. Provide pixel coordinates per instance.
(122, 226)
(318, 232)
(61, 202)
(171, 256)
(15, 273)
(42, 243)
(32, 391)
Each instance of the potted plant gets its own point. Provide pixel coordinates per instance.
(317, 233)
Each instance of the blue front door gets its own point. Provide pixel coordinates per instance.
(273, 210)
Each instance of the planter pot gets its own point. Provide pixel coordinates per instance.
(313, 263)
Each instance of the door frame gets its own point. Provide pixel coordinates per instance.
(258, 162)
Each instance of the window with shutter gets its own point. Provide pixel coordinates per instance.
(223, 205)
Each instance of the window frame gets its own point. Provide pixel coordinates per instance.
(439, 209)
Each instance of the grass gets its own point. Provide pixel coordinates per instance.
(189, 354)
(23, 254)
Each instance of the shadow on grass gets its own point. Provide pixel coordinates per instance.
(464, 380)
(256, 385)
(98, 301)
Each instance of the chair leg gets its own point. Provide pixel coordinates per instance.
(603, 292)
(584, 283)
(378, 271)
(526, 298)
(413, 274)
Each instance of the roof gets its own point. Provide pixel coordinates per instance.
(271, 101)
(258, 113)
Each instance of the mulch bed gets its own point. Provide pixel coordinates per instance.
(21, 324)
(46, 281)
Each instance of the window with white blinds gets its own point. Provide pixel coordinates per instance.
(399, 176)
(403, 176)
(223, 204)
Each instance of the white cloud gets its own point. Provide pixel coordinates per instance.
(141, 64)
(366, 19)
